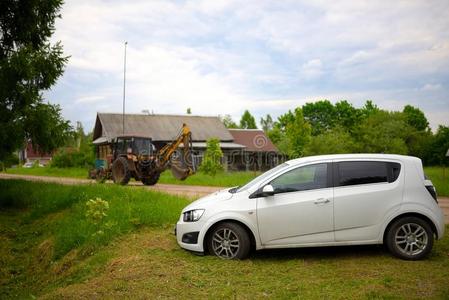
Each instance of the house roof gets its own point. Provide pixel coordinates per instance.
(253, 139)
(160, 127)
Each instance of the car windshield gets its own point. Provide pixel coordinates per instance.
(261, 178)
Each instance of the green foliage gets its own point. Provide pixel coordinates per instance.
(80, 153)
(96, 210)
(29, 65)
(298, 134)
(267, 123)
(439, 147)
(334, 141)
(415, 118)
(321, 115)
(228, 122)
(211, 163)
(46, 128)
(291, 133)
(128, 209)
(384, 132)
(9, 160)
(189, 111)
(342, 128)
(70, 157)
(247, 121)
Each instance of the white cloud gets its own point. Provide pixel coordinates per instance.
(220, 57)
(431, 87)
(89, 99)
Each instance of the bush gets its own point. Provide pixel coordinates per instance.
(67, 157)
(8, 161)
(211, 163)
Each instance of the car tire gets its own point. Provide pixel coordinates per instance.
(229, 241)
(410, 238)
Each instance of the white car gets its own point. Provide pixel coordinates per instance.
(332, 200)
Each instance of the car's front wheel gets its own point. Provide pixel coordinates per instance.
(410, 238)
(229, 241)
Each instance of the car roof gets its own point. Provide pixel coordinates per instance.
(370, 156)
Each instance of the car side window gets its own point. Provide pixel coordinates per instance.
(302, 179)
(366, 172)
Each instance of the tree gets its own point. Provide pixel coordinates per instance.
(247, 121)
(334, 141)
(29, 65)
(415, 118)
(347, 116)
(228, 121)
(211, 163)
(189, 111)
(298, 134)
(383, 132)
(369, 108)
(321, 115)
(267, 123)
(291, 133)
(439, 146)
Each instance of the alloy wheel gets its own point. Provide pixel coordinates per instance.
(411, 239)
(225, 243)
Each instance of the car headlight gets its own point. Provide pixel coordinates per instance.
(192, 215)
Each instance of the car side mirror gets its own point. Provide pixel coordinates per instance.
(266, 191)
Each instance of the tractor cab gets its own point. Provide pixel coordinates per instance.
(134, 145)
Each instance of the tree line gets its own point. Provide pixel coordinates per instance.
(325, 128)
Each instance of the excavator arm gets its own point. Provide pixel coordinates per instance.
(183, 166)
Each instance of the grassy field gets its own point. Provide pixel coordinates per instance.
(438, 175)
(440, 178)
(54, 172)
(49, 249)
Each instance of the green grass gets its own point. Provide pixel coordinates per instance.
(226, 179)
(49, 171)
(440, 178)
(129, 208)
(48, 249)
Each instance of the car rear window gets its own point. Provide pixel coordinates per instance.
(366, 172)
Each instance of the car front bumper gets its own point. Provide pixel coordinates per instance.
(185, 230)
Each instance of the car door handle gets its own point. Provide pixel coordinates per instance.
(322, 201)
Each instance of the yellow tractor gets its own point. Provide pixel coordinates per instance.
(136, 157)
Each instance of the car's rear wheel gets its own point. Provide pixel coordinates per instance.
(410, 238)
(229, 241)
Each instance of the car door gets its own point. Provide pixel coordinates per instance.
(301, 210)
(365, 193)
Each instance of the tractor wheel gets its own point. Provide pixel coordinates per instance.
(151, 180)
(120, 171)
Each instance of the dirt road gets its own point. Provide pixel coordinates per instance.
(175, 189)
(191, 191)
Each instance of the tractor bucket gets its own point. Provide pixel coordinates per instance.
(179, 172)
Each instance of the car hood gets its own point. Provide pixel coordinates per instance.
(221, 195)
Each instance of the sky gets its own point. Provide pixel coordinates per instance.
(222, 57)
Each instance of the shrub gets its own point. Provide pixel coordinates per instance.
(67, 157)
(211, 163)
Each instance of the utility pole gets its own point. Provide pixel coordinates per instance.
(124, 89)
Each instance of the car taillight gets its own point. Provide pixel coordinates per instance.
(432, 192)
